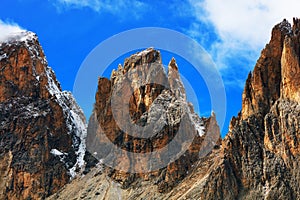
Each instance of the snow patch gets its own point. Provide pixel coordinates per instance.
(56, 152)
(198, 124)
(3, 56)
(61, 155)
(21, 36)
(52, 87)
(74, 117)
(8, 31)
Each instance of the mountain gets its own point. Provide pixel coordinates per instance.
(258, 159)
(145, 126)
(149, 142)
(261, 150)
(143, 130)
(42, 129)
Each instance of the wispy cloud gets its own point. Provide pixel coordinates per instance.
(93, 4)
(112, 6)
(242, 28)
(7, 29)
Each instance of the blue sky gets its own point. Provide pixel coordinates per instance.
(232, 32)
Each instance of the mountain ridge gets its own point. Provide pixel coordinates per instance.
(258, 158)
(42, 129)
(158, 107)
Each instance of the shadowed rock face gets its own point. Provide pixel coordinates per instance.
(258, 159)
(157, 106)
(41, 128)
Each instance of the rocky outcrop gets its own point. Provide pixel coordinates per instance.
(290, 64)
(149, 132)
(262, 87)
(258, 159)
(42, 130)
(261, 150)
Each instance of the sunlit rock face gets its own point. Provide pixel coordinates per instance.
(159, 117)
(42, 129)
(258, 159)
(261, 151)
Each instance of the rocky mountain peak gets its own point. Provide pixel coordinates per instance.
(285, 27)
(42, 129)
(276, 73)
(19, 36)
(290, 65)
(296, 25)
(158, 114)
(266, 132)
(174, 79)
(172, 64)
(147, 56)
(25, 68)
(258, 159)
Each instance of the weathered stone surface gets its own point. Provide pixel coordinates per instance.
(262, 87)
(40, 133)
(261, 151)
(258, 159)
(290, 65)
(156, 98)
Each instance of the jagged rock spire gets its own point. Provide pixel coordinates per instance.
(276, 73)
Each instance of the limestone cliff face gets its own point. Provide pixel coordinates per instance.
(262, 87)
(258, 159)
(261, 150)
(158, 116)
(42, 129)
(290, 69)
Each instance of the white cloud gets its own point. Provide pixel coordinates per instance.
(7, 30)
(247, 21)
(243, 27)
(112, 6)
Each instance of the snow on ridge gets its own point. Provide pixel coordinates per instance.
(13, 32)
(75, 120)
(21, 36)
(198, 124)
(8, 31)
(12, 35)
(8, 37)
(52, 86)
(24, 36)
